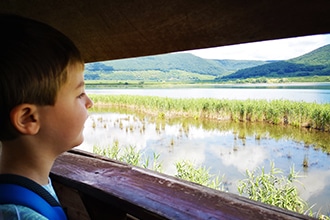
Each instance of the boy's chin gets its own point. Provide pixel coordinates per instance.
(77, 143)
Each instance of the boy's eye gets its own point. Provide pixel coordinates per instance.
(81, 95)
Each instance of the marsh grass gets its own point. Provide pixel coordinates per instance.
(272, 188)
(184, 169)
(129, 155)
(188, 171)
(278, 112)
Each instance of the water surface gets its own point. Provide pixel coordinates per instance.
(311, 92)
(226, 148)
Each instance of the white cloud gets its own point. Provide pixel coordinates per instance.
(266, 50)
(245, 158)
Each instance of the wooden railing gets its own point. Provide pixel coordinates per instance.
(94, 187)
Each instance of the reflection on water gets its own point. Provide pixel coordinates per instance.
(224, 147)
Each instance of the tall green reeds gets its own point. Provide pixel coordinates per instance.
(298, 114)
(198, 174)
(271, 188)
(129, 155)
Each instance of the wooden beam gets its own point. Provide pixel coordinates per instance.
(111, 29)
(145, 194)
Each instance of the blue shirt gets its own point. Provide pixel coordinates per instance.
(17, 212)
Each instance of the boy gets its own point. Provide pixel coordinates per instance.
(43, 108)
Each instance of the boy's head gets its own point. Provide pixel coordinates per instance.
(33, 66)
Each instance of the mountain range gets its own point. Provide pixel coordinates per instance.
(185, 66)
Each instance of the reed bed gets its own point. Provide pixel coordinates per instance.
(298, 114)
(270, 187)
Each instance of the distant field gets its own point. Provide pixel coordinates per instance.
(142, 83)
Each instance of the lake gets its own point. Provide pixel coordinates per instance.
(224, 147)
(308, 92)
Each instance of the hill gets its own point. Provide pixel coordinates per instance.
(315, 63)
(179, 66)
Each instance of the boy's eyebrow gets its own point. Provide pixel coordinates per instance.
(81, 84)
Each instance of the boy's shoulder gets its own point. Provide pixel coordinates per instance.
(13, 212)
(19, 190)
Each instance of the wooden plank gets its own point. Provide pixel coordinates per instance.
(145, 194)
(98, 209)
(70, 197)
(112, 29)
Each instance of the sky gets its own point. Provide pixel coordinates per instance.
(266, 50)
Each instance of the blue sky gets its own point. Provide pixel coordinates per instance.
(266, 50)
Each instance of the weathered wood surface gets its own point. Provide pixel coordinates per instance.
(112, 29)
(111, 190)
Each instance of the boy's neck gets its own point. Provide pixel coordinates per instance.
(29, 161)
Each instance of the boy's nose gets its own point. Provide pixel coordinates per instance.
(89, 103)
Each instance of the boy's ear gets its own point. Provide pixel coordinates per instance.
(25, 119)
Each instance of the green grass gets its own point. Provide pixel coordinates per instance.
(271, 187)
(189, 81)
(315, 79)
(129, 155)
(185, 169)
(188, 171)
(278, 112)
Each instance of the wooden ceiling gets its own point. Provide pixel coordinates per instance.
(115, 29)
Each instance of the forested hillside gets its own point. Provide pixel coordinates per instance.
(165, 67)
(315, 63)
(187, 67)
